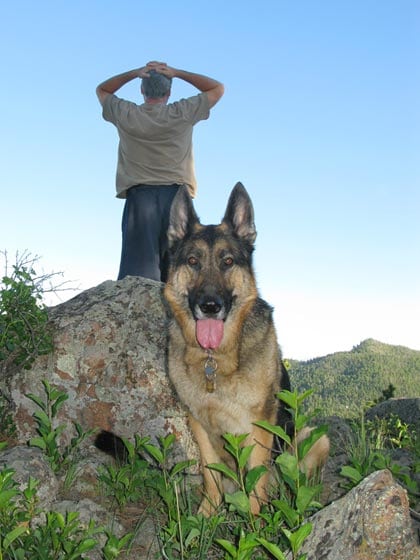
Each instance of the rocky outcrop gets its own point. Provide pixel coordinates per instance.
(372, 522)
(110, 358)
(407, 410)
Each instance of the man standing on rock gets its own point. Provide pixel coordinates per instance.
(155, 157)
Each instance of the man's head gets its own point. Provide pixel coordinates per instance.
(156, 86)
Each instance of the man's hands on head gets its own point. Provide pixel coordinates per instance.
(161, 68)
(211, 87)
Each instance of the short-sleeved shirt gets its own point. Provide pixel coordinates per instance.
(155, 146)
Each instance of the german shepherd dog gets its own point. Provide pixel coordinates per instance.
(223, 355)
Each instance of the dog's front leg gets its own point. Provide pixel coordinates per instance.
(261, 455)
(212, 479)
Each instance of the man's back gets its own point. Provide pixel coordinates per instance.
(155, 145)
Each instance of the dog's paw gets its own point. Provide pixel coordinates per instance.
(254, 504)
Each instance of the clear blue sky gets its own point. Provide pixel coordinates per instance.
(320, 121)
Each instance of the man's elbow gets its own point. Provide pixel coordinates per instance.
(215, 94)
(101, 94)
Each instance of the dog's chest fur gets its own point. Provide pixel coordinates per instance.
(247, 379)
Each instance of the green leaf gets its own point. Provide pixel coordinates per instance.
(276, 430)
(253, 476)
(291, 516)
(84, 546)
(13, 535)
(154, 452)
(47, 387)
(228, 546)
(168, 441)
(305, 445)
(301, 421)
(131, 450)
(303, 396)
(235, 441)
(222, 468)
(351, 473)
(239, 500)
(288, 465)
(244, 454)
(60, 519)
(181, 466)
(192, 535)
(289, 398)
(296, 539)
(7, 495)
(38, 442)
(272, 549)
(37, 401)
(305, 496)
(42, 418)
(58, 403)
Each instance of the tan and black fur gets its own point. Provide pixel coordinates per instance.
(211, 275)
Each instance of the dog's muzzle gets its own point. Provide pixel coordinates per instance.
(210, 311)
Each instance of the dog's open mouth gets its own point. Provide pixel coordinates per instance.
(209, 333)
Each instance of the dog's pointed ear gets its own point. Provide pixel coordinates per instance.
(182, 217)
(240, 214)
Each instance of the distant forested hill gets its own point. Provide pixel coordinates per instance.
(345, 381)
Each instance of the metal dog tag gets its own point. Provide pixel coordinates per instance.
(210, 368)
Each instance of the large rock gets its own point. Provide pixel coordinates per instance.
(372, 522)
(110, 358)
(406, 409)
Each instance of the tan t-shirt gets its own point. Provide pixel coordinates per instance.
(155, 145)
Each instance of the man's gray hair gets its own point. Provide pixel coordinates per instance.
(156, 86)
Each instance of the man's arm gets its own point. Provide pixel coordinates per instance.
(213, 88)
(110, 86)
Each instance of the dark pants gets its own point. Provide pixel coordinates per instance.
(144, 231)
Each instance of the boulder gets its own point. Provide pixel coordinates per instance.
(372, 522)
(110, 358)
(406, 409)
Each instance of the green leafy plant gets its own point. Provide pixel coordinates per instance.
(49, 432)
(24, 329)
(114, 546)
(146, 475)
(244, 480)
(27, 535)
(127, 482)
(363, 455)
(369, 450)
(297, 493)
(62, 536)
(17, 508)
(391, 432)
(280, 526)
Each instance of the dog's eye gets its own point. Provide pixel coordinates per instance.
(228, 261)
(192, 261)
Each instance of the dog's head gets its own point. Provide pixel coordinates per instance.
(210, 273)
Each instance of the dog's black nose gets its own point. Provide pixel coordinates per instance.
(210, 306)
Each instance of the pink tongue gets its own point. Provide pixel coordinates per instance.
(209, 332)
